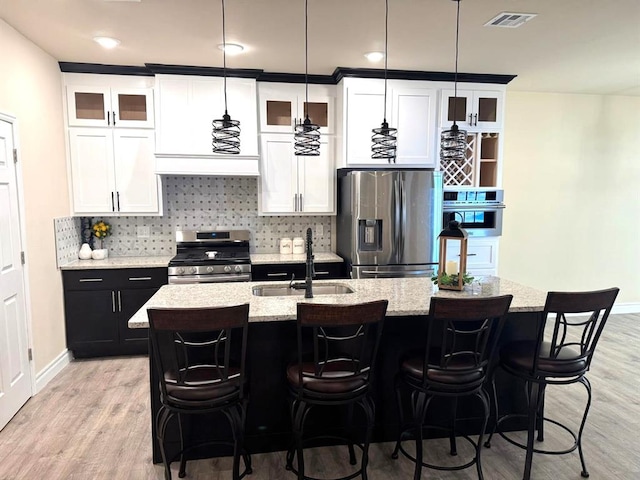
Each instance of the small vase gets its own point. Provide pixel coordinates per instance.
(85, 252)
(100, 254)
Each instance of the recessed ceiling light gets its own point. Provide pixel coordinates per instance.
(231, 48)
(106, 42)
(374, 56)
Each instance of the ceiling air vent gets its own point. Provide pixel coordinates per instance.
(509, 20)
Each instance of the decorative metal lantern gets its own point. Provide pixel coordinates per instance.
(450, 272)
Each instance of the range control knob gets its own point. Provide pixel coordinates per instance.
(227, 269)
(193, 270)
(180, 270)
(238, 269)
(209, 269)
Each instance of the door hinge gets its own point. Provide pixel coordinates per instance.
(22, 258)
(15, 155)
(30, 355)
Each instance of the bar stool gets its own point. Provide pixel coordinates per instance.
(460, 341)
(200, 358)
(343, 341)
(561, 355)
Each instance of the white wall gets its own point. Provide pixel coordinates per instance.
(572, 189)
(30, 89)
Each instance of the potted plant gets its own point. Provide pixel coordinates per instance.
(100, 230)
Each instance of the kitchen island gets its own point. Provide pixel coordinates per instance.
(272, 345)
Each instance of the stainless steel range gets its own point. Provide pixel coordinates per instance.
(211, 256)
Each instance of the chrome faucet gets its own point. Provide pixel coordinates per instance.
(309, 271)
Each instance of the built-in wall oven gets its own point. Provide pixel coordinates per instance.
(479, 210)
(206, 256)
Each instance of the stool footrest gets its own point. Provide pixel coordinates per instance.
(538, 450)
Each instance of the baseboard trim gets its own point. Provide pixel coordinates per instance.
(626, 308)
(44, 376)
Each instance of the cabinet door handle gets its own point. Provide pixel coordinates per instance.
(114, 119)
(113, 203)
(284, 274)
(470, 254)
(139, 279)
(301, 203)
(322, 273)
(471, 119)
(108, 118)
(82, 280)
(118, 198)
(475, 119)
(119, 302)
(113, 301)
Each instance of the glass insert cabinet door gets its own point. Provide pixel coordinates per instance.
(472, 108)
(282, 108)
(109, 107)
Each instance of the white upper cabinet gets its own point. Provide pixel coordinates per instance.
(474, 109)
(112, 172)
(291, 184)
(111, 162)
(186, 107)
(105, 106)
(411, 108)
(283, 105)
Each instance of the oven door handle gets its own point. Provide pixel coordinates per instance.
(192, 279)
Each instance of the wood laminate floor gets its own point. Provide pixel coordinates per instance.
(92, 422)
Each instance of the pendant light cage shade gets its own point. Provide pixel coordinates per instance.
(226, 132)
(307, 139)
(226, 135)
(453, 142)
(384, 142)
(307, 134)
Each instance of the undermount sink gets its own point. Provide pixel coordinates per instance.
(286, 291)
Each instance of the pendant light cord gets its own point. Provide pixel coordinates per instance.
(306, 59)
(224, 59)
(386, 37)
(455, 76)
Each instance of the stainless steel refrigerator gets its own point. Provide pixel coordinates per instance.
(388, 222)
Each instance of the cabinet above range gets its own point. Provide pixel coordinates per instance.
(186, 106)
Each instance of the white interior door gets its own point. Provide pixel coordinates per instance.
(15, 373)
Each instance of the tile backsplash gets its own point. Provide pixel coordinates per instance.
(68, 239)
(202, 202)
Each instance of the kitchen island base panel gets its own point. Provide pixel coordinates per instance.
(272, 346)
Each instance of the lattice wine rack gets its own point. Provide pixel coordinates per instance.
(461, 172)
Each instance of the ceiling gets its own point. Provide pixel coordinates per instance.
(572, 46)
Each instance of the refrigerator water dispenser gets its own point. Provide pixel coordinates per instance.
(370, 235)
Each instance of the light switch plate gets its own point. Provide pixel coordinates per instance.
(143, 232)
(319, 230)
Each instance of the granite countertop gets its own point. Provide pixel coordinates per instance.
(163, 261)
(407, 296)
(275, 258)
(119, 262)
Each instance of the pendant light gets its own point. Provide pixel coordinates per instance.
(226, 132)
(453, 142)
(307, 134)
(384, 139)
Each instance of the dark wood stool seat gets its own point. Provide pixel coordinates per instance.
(200, 357)
(460, 339)
(571, 325)
(342, 343)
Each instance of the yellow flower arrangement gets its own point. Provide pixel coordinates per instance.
(101, 229)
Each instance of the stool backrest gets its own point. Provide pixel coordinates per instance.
(185, 342)
(344, 334)
(573, 339)
(463, 333)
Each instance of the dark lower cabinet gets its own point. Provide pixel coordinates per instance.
(99, 304)
(283, 271)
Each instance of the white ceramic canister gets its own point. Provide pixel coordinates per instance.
(285, 246)
(85, 252)
(298, 245)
